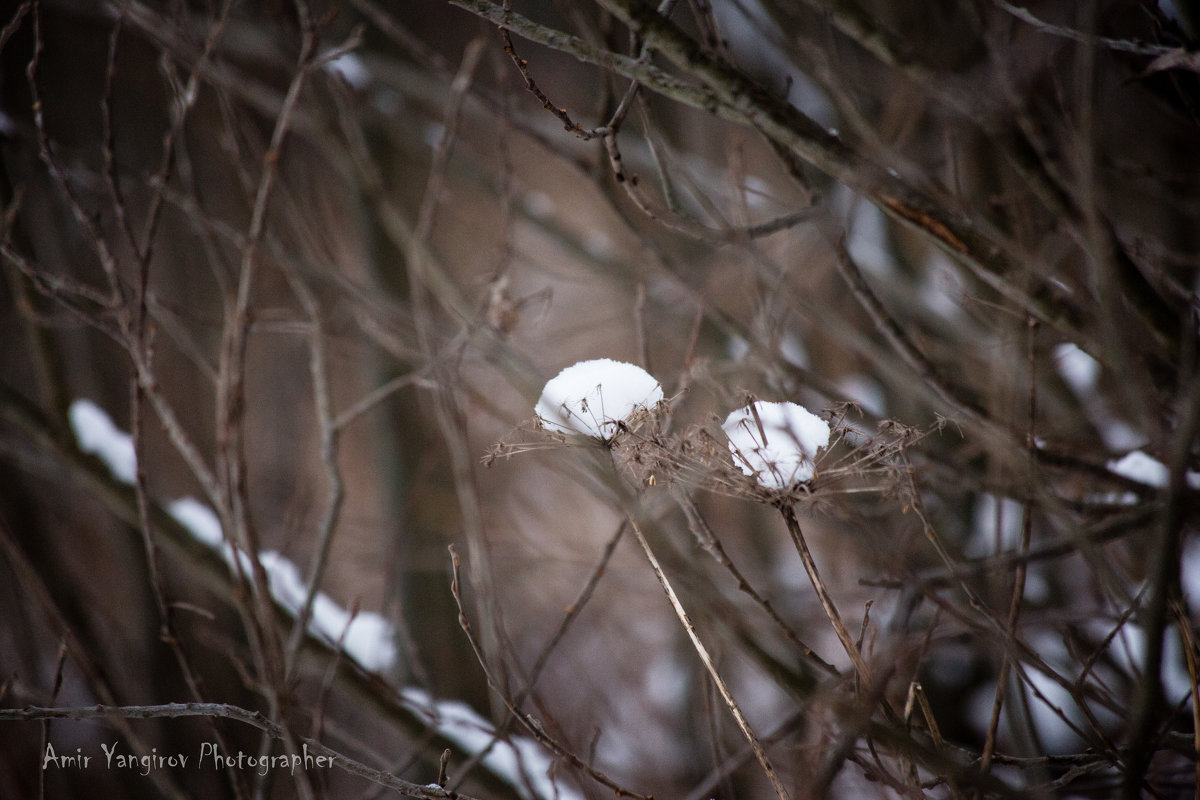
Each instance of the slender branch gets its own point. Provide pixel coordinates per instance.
(835, 619)
(231, 378)
(709, 541)
(530, 84)
(1118, 45)
(709, 665)
(329, 439)
(727, 93)
(528, 722)
(574, 609)
(1019, 573)
(1164, 580)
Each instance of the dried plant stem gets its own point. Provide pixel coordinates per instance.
(835, 619)
(532, 726)
(709, 541)
(1021, 568)
(1188, 640)
(572, 613)
(75, 638)
(318, 370)
(1164, 586)
(740, 718)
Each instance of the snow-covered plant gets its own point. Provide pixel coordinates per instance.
(595, 397)
(776, 443)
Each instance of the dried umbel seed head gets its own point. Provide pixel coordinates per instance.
(596, 398)
(776, 443)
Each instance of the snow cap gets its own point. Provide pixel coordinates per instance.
(591, 397)
(779, 447)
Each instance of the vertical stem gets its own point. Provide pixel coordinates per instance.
(835, 619)
(718, 681)
(1164, 579)
(1019, 575)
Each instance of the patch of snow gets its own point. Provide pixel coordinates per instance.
(1078, 369)
(598, 245)
(1189, 575)
(1117, 435)
(350, 68)
(387, 102)
(1140, 467)
(592, 397)
(791, 347)
(737, 348)
(1128, 651)
(366, 637)
(867, 239)
(371, 641)
(751, 32)
(996, 526)
(96, 434)
(1137, 465)
(810, 98)
(1081, 373)
(666, 680)
(1037, 588)
(519, 760)
(284, 580)
(197, 518)
(434, 131)
(942, 288)
(756, 191)
(776, 443)
(1113, 498)
(1046, 699)
(865, 391)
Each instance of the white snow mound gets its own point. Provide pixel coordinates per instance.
(591, 397)
(781, 451)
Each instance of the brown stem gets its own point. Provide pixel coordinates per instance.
(705, 657)
(835, 619)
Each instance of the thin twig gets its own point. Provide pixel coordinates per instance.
(709, 665)
(1018, 590)
(709, 541)
(530, 84)
(1164, 578)
(37, 592)
(1118, 45)
(329, 439)
(531, 725)
(835, 619)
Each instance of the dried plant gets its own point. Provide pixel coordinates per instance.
(286, 514)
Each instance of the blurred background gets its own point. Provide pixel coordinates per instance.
(309, 264)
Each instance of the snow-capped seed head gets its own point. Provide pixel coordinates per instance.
(776, 443)
(592, 397)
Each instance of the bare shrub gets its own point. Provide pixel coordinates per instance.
(284, 282)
